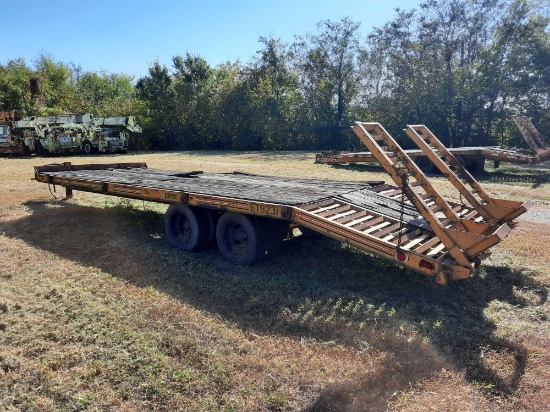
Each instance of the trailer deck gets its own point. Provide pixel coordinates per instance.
(408, 223)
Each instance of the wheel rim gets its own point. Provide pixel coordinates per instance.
(181, 228)
(236, 239)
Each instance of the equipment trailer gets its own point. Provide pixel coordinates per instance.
(410, 224)
(472, 157)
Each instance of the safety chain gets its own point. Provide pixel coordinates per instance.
(405, 181)
(54, 191)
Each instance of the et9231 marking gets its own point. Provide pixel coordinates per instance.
(265, 209)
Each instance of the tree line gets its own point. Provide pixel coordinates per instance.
(462, 67)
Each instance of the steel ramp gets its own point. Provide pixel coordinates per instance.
(493, 211)
(463, 238)
(419, 247)
(531, 135)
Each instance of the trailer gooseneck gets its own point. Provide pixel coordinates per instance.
(409, 223)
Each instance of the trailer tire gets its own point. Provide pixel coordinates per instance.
(237, 238)
(186, 228)
(475, 165)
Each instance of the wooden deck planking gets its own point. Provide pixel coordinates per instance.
(287, 191)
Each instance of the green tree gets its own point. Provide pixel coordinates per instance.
(516, 73)
(15, 92)
(104, 94)
(56, 85)
(157, 115)
(460, 66)
(192, 84)
(327, 61)
(272, 90)
(424, 66)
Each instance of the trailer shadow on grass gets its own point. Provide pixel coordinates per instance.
(359, 167)
(314, 289)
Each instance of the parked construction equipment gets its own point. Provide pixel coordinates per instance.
(9, 143)
(60, 134)
(472, 157)
(29, 134)
(68, 133)
(118, 131)
(409, 223)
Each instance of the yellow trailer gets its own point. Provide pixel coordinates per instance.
(409, 223)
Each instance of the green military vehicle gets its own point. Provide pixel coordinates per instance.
(67, 133)
(28, 134)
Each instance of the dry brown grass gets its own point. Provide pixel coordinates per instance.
(98, 313)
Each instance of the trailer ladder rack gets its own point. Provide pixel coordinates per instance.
(494, 211)
(463, 238)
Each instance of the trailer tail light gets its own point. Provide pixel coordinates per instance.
(401, 256)
(427, 265)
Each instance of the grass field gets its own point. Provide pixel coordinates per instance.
(97, 312)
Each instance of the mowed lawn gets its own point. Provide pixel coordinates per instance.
(97, 312)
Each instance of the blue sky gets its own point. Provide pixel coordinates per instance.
(127, 36)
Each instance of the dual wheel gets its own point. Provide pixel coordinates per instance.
(241, 239)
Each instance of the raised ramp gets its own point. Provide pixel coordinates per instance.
(464, 239)
(534, 139)
(493, 211)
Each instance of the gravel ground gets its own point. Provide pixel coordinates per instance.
(537, 215)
